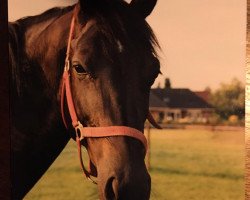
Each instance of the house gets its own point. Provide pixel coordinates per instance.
(178, 105)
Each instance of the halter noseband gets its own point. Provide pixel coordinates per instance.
(85, 132)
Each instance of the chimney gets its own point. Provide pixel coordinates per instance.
(167, 83)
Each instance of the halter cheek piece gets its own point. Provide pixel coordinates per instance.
(85, 132)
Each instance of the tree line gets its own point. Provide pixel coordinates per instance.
(229, 100)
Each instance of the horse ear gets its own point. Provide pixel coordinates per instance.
(87, 6)
(144, 7)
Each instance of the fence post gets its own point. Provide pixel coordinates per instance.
(148, 136)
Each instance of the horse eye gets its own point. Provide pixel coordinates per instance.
(80, 69)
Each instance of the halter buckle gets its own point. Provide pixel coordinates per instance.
(78, 128)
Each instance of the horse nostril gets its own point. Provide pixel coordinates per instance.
(110, 192)
(127, 187)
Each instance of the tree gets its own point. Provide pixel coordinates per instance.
(229, 99)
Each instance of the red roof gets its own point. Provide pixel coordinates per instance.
(203, 94)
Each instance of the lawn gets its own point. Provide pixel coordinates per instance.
(185, 164)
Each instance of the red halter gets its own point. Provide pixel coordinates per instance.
(82, 132)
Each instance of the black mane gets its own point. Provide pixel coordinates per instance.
(48, 14)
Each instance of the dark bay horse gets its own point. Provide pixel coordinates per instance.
(114, 64)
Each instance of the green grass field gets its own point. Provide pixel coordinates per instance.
(185, 165)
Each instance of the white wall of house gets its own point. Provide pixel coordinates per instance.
(181, 115)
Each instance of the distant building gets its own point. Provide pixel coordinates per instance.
(203, 94)
(178, 105)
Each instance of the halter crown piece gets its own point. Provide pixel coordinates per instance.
(80, 130)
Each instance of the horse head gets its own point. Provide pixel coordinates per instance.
(113, 65)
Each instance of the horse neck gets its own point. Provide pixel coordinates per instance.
(37, 64)
(38, 67)
(38, 134)
(45, 43)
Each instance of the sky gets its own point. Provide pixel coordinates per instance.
(202, 41)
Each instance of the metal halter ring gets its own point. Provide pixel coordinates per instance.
(78, 128)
